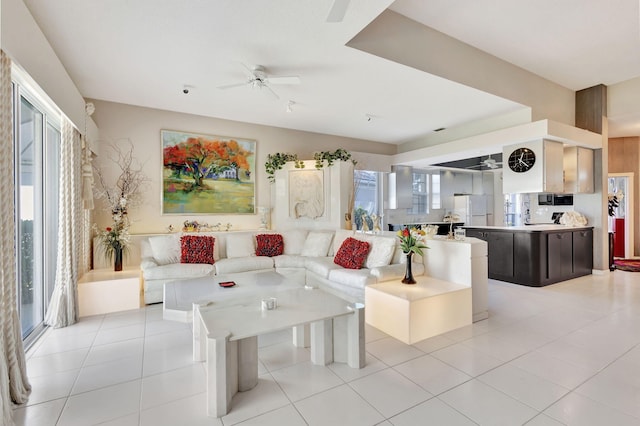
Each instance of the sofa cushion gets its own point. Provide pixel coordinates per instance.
(197, 249)
(240, 245)
(287, 261)
(320, 265)
(294, 240)
(317, 244)
(178, 271)
(216, 246)
(381, 252)
(165, 249)
(352, 253)
(355, 278)
(243, 264)
(269, 245)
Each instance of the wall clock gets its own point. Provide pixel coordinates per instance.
(522, 160)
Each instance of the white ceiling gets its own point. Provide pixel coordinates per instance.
(144, 52)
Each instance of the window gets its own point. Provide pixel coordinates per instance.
(426, 192)
(435, 191)
(420, 191)
(37, 141)
(368, 196)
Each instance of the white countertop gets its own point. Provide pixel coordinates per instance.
(531, 227)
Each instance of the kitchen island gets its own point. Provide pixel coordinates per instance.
(536, 255)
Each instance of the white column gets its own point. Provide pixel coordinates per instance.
(322, 342)
(355, 337)
(301, 336)
(222, 373)
(247, 363)
(199, 348)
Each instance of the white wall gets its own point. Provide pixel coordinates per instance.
(26, 45)
(338, 182)
(142, 126)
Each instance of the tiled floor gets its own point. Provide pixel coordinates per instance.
(563, 354)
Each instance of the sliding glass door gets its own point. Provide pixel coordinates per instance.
(37, 139)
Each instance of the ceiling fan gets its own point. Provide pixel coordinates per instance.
(338, 10)
(488, 162)
(258, 78)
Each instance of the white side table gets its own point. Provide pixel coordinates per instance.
(101, 291)
(411, 313)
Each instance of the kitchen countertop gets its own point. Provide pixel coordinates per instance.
(531, 228)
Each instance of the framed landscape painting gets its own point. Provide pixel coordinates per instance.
(206, 174)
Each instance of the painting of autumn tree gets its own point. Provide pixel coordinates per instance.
(204, 174)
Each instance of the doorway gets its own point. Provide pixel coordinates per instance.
(624, 216)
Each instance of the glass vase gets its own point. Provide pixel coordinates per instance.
(408, 274)
(117, 259)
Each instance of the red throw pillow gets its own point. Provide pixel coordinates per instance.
(197, 249)
(269, 245)
(352, 253)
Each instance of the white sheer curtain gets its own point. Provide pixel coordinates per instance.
(63, 308)
(14, 385)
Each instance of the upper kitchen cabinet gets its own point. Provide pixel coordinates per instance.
(578, 170)
(463, 183)
(535, 166)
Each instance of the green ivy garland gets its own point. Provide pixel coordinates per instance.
(330, 157)
(279, 159)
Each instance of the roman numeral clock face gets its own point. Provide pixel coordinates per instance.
(522, 160)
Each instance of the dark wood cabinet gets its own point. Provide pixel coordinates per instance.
(582, 252)
(560, 255)
(500, 247)
(537, 257)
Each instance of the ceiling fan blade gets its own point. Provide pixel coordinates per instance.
(229, 86)
(338, 10)
(270, 92)
(292, 79)
(247, 71)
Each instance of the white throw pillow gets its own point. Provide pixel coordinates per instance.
(381, 251)
(294, 240)
(240, 245)
(317, 244)
(165, 248)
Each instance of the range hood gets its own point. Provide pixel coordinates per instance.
(400, 184)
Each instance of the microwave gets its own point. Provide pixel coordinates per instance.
(555, 199)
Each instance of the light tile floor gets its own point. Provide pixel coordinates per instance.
(563, 354)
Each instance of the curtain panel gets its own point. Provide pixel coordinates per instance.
(14, 385)
(63, 308)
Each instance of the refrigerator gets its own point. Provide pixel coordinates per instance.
(472, 209)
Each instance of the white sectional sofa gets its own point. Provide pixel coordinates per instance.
(308, 257)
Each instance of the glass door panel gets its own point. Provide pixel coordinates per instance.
(29, 226)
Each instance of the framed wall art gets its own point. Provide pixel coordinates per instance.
(306, 194)
(206, 174)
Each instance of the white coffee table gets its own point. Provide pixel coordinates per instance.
(180, 295)
(225, 336)
(411, 313)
